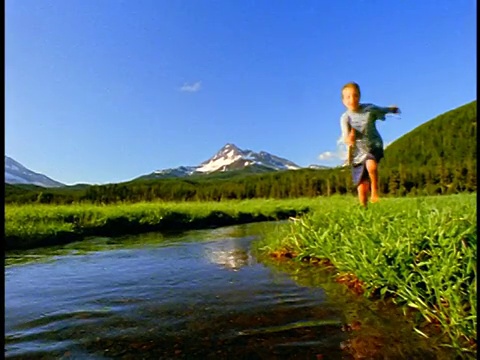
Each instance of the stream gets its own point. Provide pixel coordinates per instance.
(201, 294)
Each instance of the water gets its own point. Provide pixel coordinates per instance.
(200, 295)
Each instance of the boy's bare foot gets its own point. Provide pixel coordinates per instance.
(374, 199)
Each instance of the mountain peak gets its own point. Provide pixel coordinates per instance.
(228, 154)
(231, 157)
(228, 147)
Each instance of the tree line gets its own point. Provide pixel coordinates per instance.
(438, 157)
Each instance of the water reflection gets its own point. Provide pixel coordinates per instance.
(140, 241)
(159, 297)
(231, 255)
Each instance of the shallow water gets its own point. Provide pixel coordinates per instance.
(199, 295)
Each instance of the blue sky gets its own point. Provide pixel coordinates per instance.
(103, 91)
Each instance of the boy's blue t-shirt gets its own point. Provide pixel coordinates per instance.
(367, 137)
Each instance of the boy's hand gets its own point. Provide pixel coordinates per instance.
(350, 139)
(394, 109)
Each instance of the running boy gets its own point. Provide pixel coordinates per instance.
(365, 144)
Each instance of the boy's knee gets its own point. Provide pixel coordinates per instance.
(363, 186)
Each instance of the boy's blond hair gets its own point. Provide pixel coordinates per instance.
(351, 85)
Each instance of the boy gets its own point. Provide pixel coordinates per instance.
(363, 140)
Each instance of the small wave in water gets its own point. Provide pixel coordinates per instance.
(199, 296)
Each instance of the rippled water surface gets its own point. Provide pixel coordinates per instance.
(200, 295)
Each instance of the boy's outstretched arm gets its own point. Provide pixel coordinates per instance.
(382, 111)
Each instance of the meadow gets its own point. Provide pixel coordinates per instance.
(419, 252)
(35, 225)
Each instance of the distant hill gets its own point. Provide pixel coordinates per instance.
(20, 189)
(16, 173)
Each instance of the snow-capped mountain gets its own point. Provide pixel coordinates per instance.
(231, 157)
(16, 173)
(228, 158)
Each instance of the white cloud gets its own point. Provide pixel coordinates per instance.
(327, 155)
(191, 87)
(340, 153)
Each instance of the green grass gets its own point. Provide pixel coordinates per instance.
(32, 225)
(421, 252)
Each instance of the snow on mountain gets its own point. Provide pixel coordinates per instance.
(229, 157)
(16, 173)
(318, 167)
(176, 172)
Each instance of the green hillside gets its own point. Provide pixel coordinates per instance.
(438, 157)
(443, 140)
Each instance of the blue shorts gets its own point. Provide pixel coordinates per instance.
(359, 171)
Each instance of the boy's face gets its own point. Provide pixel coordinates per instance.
(350, 98)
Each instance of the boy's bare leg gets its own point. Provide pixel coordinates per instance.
(362, 189)
(373, 174)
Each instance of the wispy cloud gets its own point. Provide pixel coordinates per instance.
(191, 87)
(340, 153)
(327, 155)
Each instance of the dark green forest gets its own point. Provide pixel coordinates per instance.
(438, 157)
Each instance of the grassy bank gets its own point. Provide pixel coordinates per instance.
(35, 225)
(421, 252)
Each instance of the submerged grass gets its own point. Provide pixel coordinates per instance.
(33, 225)
(421, 252)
